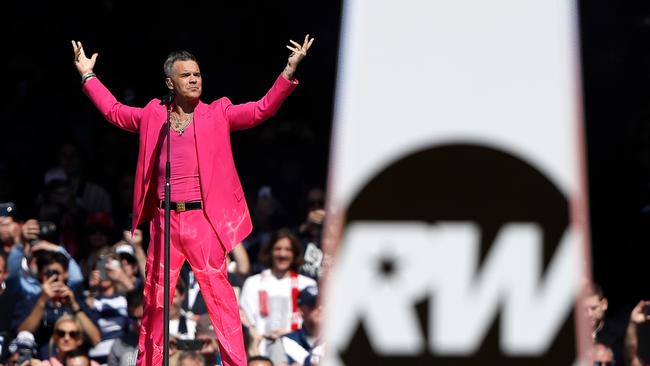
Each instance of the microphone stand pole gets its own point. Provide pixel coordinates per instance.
(167, 237)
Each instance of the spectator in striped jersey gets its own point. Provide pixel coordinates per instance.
(110, 306)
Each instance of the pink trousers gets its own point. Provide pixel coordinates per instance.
(192, 238)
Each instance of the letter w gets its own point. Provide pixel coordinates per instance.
(466, 301)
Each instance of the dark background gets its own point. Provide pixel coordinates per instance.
(615, 39)
(240, 47)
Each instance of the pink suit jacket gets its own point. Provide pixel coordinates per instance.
(221, 190)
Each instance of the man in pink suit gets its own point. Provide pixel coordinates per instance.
(209, 213)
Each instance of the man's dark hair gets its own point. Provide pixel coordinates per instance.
(296, 248)
(77, 352)
(176, 56)
(260, 358)
(45, 257)
(597, 290)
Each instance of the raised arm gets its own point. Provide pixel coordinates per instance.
(298, 52)
(249, 114)
(631, 347)
(123, 116)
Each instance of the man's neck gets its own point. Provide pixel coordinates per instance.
(185, 106)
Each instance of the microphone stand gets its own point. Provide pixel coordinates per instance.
(167, 100)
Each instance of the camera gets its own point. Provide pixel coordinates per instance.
(46, 229)
(24, 355)
(101, 267)
(52, 272)
(7, 208)
(646, 310)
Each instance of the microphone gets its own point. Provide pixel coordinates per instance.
(168, 98)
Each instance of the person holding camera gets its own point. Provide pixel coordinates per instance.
(128, 276)
(39, 314)
(22, 350)
(21, 262)
(109, 305)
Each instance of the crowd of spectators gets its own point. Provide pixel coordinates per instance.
(72, 278)
(616, 342)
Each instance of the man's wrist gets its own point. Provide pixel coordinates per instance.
(75, 307)
(42, 300)
(288, 72)
(86, 76)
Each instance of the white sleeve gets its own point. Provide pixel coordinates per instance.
(248, 301)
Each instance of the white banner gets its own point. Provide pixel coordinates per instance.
(457, 184)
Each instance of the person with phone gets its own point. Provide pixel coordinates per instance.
(24, 278)
(209, 215)
(127, 275)
(39, 314)
(21, 349)
(109, 305)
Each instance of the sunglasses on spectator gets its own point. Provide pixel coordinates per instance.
(604, 363)
(62, 333)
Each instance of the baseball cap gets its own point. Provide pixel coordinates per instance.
(126, 251)
(55, 175)
(308, 296)
(23, 341)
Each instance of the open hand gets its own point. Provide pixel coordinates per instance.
(30, 229)
(84, 64)
(298, 52)
(638, 315)
(135, 239)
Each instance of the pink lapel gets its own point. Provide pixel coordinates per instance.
(205, 137)
(155, 133)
